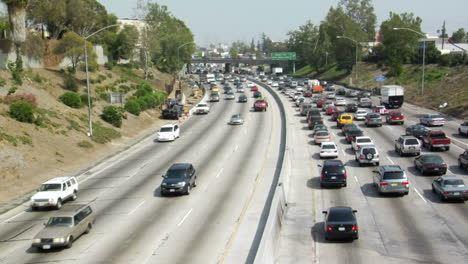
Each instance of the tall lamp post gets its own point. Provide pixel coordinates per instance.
(90, 133)
(178, 48)
(424, 53)
(357, 44)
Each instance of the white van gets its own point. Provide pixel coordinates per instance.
(169, 132)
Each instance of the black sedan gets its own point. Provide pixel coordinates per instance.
(430, 164)
(352, 133)
(416, 130)
(341, 223)
(257, 94)
(242, 99)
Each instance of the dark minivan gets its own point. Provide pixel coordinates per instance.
(179, 178)
(333, 174)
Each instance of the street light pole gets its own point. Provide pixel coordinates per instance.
(90, 133)
(178, 48)
(356, 43)
(424, 54)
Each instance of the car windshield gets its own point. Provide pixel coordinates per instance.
(165, 129)
(394, 175)
(345, 117)
(235, 116)
(328, 146)
(435, 116)
(202, 105)
(59, 221)
(355, 132)
(433, 159)
(341, 215)
(454, 183)
(365, 100)
(373, 116)
(50, 187)
(322, 134)
(412, 141)
(396, 114)
(175, 174)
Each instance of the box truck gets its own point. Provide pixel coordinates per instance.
(392, 96)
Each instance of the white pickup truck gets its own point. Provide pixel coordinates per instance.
(54, 192)
(202, 108)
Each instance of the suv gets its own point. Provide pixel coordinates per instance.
(463, 160)
(168, 132)
(407, 145)
(463, 128)
(373, 119)
(62, 229)
(368, 154)
(391, 179)
(333, 174)
(54, 192)
(179, 178)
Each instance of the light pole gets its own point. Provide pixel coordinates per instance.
(178, 48)
(424, 54)
(90, 133)
(356, 43)
(326, 59)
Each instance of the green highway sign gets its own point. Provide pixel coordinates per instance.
(283, 55)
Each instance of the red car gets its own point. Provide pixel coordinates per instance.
(308, 93)
(320, 102)
(260, 105)
(395, 117)
(332, 110)
(380, 109)
(254, 88)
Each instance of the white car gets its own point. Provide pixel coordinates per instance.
(360, 114)
(361, 141)
(463, 128)
(293, 84)
(169, 132)
(54, 192)
(269, 82)
(340, 101)
(300, 89)
(328, 150)
(250, 85)
(300, 100)
(202, 108)
(274, 84)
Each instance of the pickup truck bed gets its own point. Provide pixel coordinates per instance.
(436, 139)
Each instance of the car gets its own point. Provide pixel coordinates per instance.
(327, 104)
(304, 107)
(254, 89)
(365, 102)
(330, 96)
(230, 96)
(242, 98)
(463, 128)
(351, 93)
(236, 119)
(332, 109)
(341, 223)
(314, 120)
(363, 94)
(391, 179)
(269, 82)
(319, 127)
(62, 229)
(450, 188)
(257, 94)
(352, 133)
(360, 114)
(293, 84)
(340, 101)
(408, 145)
(351, 107)
(300, 100)
(344, 119)
(373, 119)
(308, 93)
(367, 154)
(380, 109)
(395, 117)
(341, 91)
(336, 114)
(296, 95)
(228, 90)
(179, 178)
(416, 130)
(274, 84)
(463, 160)
(321, 136)
(328, 150)
(361, 141)
(202, 108)
(320, 102)
(250, 85)
(432, 120)
(430, 164)
(347, 127)
(240, 90)
(214, 89)
(333, 174)
(260, 105)
(169, 132)
(214, 97)
(54, 192)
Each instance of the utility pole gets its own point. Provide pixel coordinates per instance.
(443, 35)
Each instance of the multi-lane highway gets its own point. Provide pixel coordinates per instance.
(135, 224)
(417, 228)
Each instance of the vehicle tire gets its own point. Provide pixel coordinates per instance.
(344, 185)
(377, 164)
(356, 237)
(189, 189)
(406, 193)
(360, 164)
(163, 193)
(447, 148)
(195, 182)
(34, 208)
(88, 228)
(73, 197)
(59, 204)
(70, 242)
(433, 189)
(442, 198)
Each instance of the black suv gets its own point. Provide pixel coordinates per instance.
(352, 107)
(180, 178)
(333, 174)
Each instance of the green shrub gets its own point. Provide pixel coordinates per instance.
(85, 144)
(151, 100)
(124, 88)
(84, 99)
(143, 89)
(37, 78)
(160, 96)
(104, 96)
(25, 140)
(22, 111)
(112, 115)
(142, 103)
(8, 138)
(16, 72)
(109, 65)
(12, 90)
(2, 82)
(70, 83)
(133, 106)
(109, 75)
(71, 99)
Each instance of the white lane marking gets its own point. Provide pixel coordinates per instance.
(237, 147)
(450, 171)
(343, 151)
(219, 173)
(356, 179)
(13, 217)
(456, 140)
(391, 160)
(333, 133)
(416, 190)
(136, 208)
(185, 217)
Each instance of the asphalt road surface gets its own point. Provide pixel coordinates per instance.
(417, 228)
(134, 224)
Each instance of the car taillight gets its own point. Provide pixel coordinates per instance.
(321, 176)
(329, 228)
(354, 228)
(446, 192)
(378, 156)
(351, 138)
(358, 147)
(405, 183)
(345, 175)
(361, 157)
(383, 183)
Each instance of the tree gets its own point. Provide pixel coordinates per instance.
(72, 47)
(17, 19)
(459, 36)
(124, 43)
(51, 13)
(362, 13)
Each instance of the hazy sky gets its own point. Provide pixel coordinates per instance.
(221, 21)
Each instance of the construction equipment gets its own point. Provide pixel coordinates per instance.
(173, 109)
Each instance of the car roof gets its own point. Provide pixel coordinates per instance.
(333, 163)
(328, 143)
(387, 168)
(340, 208)
(69, 210)
(58, 180)
(180, 166)
(451, 177)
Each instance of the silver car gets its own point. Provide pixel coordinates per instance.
(391, 179)
(407, 145)
(373, 119)
(230, 96)
(236, 120)
(432, 120)
(365, 102)
(450, 188)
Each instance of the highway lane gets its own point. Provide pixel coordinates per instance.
(134, 224)
(411, 229)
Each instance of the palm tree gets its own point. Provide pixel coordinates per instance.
(17, 17)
